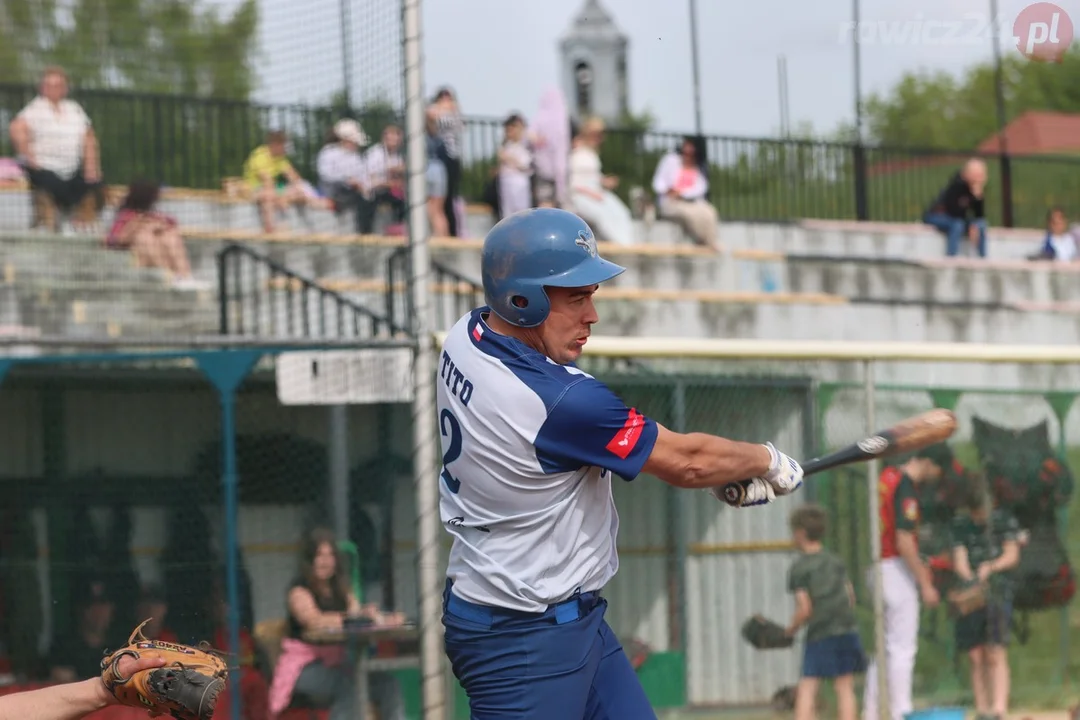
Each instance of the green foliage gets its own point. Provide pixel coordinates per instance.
(161, 46)
(937, 110)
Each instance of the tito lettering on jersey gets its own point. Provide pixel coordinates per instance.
(459, 385)
(627, 437)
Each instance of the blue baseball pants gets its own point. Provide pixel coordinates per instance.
(563, 663)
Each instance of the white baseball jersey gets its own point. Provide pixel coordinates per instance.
(528, 451)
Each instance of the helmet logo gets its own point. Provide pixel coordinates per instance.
(586, 242)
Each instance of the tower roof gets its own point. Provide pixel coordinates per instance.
(593, 23)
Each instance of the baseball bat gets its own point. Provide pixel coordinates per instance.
(914, 433)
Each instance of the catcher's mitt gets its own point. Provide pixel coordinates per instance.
(187, 687)
(764, 634)
(967, 598)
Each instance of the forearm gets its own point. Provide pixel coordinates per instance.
(715, 461)
(798, 619)
(20, 138)
(90, 154)
(57, 702)
(905, 546)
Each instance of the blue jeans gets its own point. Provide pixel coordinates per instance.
(562, 664)
(955, 231)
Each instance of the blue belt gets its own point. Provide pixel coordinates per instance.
(569, 610)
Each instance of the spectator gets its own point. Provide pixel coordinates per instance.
(985, 550)
(77, 655)
(591, 190)
(825, 604)
(681, 184)
(436, 189)
(58, 149)
(340, 167)
(959, 211)
(1060, 242)
(515, 168)
(320, 599)
(152, 237)
(385, 179)
(272, 178)
(551, 148)
(444, 118)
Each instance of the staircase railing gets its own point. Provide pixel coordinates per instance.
(259, 296)
(453, 293)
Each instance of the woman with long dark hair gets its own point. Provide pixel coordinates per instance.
(152, 236)
(320, 599)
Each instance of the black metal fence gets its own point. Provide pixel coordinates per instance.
(259, 296)
(195, 142)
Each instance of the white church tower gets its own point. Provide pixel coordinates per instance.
(594, 65)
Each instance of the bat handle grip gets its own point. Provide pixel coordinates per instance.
(734, 494)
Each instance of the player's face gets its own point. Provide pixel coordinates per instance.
(566, 330)
(325, 562)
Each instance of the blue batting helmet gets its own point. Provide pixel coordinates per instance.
(535, 248)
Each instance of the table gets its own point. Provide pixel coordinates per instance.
(362, 637)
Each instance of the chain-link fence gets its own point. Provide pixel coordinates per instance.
(121, 501)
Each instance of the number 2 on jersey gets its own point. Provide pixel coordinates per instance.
(448, 426)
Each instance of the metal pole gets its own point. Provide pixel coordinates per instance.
(857, 61)
(875, 549)
(344, 9)
(678, 529)
(429, 528)
(999, 102)
(781, 81)
(694, 66)
(339, 469)
(232, 549)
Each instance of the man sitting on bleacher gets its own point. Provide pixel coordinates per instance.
(58, 150)
(276, 185)
(385, 179)
(959, 211)
(340, 167)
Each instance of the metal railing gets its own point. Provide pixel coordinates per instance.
(259, 296)
(453, 293)
(196, 142)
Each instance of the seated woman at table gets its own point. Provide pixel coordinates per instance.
(320, 600)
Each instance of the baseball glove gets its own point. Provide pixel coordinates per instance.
(764, 634)
(186, 687)
(967, 598)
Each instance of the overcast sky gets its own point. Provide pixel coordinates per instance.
(500, 54)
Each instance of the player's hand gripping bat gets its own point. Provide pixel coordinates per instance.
(914, 433)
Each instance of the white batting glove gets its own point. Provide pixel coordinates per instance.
(745, 493)
(785, 475)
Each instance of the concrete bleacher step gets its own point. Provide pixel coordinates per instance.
(941, 280)
(869, 239)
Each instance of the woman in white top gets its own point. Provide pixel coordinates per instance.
(681, 185)
(515, 169)
(591, 191)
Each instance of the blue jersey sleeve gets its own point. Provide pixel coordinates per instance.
(590, 425)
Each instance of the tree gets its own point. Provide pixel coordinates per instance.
(177, 47)
(937, 110)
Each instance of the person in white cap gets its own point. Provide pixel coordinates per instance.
(341, 168)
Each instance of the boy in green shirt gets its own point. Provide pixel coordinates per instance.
(825, 603)
(985, 549)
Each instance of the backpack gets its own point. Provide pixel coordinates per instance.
(1044, 577)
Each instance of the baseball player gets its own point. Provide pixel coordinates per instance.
(530, 443)
(70, 701)
(905, 577)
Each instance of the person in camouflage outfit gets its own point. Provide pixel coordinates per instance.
(985, 550)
